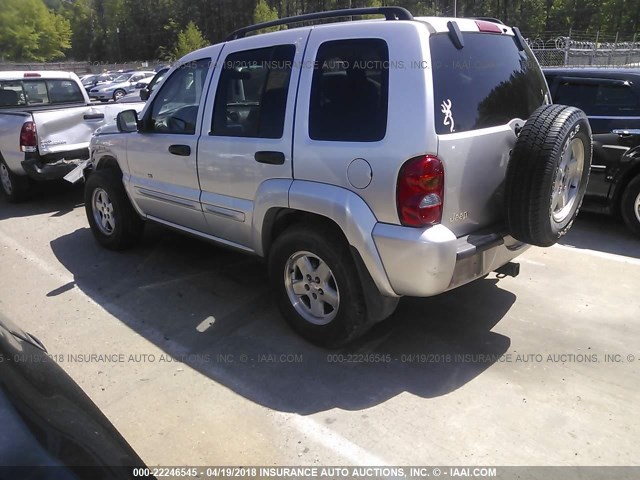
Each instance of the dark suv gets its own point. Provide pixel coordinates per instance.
(611, 99)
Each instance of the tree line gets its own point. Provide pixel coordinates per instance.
(125, 30)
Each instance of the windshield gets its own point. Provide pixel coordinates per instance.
(123, 78)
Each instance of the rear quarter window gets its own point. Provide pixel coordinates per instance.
(488, 82)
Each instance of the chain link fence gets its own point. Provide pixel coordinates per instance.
(552, 49)
(582, 49)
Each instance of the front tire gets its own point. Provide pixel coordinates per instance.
(113, 221)
(317, 286)
(118, 94)
(14, 187)
(630, 206)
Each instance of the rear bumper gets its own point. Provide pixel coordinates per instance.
(423, 263)
(53, 167)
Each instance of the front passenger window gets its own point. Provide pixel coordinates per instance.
(175, 108)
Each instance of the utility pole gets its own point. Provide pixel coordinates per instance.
(455, 8)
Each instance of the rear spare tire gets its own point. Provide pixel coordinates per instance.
(547, 174)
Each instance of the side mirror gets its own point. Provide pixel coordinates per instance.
(127, 121)
(144, 94)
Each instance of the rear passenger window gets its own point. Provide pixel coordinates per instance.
(350, 90)
(251, 98)
(598, 99)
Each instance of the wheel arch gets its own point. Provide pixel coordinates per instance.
(335, 206)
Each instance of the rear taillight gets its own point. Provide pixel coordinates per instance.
(420, 191)
(28, 137)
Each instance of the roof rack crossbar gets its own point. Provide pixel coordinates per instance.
(390, 13)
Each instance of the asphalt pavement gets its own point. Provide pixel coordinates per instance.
(180, 344)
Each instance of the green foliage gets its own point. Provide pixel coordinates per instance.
(264, 13)
(121, 30)
(189, 39)
(30, 31)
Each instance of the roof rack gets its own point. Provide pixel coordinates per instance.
(390, 13)
(488, 19)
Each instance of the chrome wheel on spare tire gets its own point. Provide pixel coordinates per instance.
(547, 174)
(566, 187)
(311, 287)
(103, 211)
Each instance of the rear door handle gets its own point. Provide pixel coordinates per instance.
(270, 158)
(94, 116)
(180, 150)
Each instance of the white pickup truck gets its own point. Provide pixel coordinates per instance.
(46, 122)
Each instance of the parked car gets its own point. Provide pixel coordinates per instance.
(48, 421)
(407, 160)
(144, 88)
(611, 99)
(46, 121)
(119, 87)
(92, 81)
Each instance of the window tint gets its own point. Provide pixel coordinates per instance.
(36, 92)
(349, 92)
(60, 91)
(598, 99)
(251, 98)
(11, 94)
(39, 92)
(489, 82)
(175, 108)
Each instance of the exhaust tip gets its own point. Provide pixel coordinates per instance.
(510, 269)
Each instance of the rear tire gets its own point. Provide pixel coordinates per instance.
(118, 94)
(14, 187)
(547, 174)
(114, 223)
(630, 205)
(317, 286)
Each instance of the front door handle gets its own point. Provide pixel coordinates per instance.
(180, 150)
(270, 158)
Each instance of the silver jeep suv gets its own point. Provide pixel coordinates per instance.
(365, 160)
